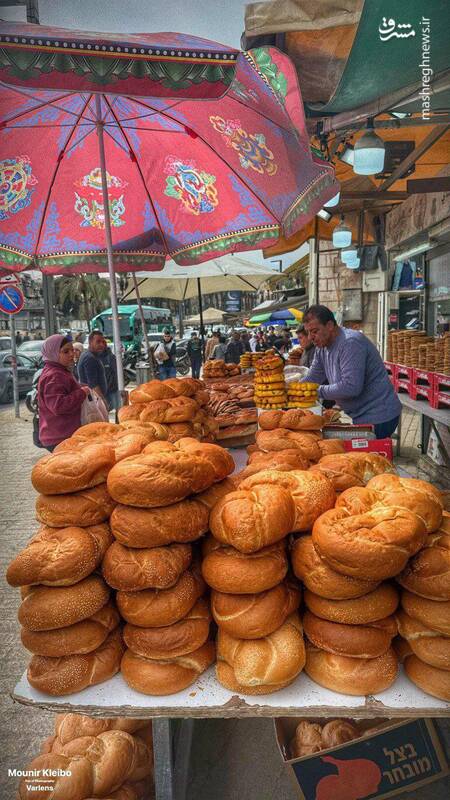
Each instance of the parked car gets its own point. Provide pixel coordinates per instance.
(26, 367)
(5, 343)
(32, 349)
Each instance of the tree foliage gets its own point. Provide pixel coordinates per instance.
(82, 296)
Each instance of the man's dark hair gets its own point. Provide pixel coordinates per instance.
(321, 313)
(301, 330)
(93, 334)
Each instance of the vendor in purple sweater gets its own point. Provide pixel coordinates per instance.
(350, 371)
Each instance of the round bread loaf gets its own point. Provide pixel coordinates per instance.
(376, 605)
(132, 411)
(178, 430)
(171, 641)
(184, 387)
(228, 570)
(211, 496)
(151, 527)
(359, 641)
(113, 755)
(152, 430)
(373, 545)
(294, 420)
(306, 740)
(428, 573)
(407, 494)
(345, 470)
(152, 390)
(255, 518)
(220, 460)
(69, 674)
(253, 616)
(159, 479)
(166, 676)
(261, 666)
(319, 578)
(313, 494)
(94, 430)
(75, 726)
(284, 461)
(55, 557)
(157, 608)
(60, 556)
(82, 637)
(282, 439)
(430, 679)
(147, 568)
(426, 644)
(432, 613)
(328, 447)
(176, 409)
(48, 607)
(82, 509)
(339, 731)
(354, 676)
(61, 473)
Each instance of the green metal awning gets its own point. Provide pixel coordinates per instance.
(380, 62)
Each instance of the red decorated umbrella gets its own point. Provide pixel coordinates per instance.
(119, 154)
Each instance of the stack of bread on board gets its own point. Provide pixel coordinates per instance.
(141, 556)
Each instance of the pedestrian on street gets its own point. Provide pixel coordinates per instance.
(60, 396)
(77, 350)
(26, 338)
(194, 351)
(165, 355)
(270, 336)
(90, 368)
(245, 339)
(307, 356)
(235, 349)
(109, 362)
(18, 338)
(211, 343)
(220, 349)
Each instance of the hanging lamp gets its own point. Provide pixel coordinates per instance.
(334, 201)
(349, 254)
(369, 152)
(342, 234)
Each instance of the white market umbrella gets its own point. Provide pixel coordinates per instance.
(209, 316)
(176, 282)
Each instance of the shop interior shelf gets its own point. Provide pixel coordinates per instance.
(207, 698)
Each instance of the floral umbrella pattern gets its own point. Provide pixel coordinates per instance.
(187, 179)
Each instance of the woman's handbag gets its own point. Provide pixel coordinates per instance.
(93, 409)
(36, 440)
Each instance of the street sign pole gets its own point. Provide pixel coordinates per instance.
(12, 328)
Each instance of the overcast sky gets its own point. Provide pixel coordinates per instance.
(220, 20)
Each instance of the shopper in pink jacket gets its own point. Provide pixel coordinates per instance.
(60, 396)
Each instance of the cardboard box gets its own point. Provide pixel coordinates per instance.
(361, 445)
(390, 758)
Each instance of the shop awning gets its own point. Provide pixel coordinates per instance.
(346, 55)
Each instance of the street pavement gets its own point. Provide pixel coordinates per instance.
(230, 760)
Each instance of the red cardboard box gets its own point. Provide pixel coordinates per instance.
(361, 445)
(388, 759)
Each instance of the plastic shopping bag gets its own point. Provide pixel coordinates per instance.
(93, 409)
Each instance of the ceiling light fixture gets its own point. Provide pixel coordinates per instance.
(323, 214)
(342, 234)
(369, 152)
(353, 264)
(348, 154)
(349, 254)
(334, 200)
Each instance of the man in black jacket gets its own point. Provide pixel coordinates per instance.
(235, 349)
(194, 351)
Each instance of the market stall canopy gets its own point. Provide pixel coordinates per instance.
(202, 158)
(175, 282)
(210, 316)
(351, 53)
(288, 316)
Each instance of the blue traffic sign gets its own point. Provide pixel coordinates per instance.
(11, 299)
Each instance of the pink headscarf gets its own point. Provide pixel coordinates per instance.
(51, 347)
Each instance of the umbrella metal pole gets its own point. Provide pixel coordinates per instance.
(109, 246)
(200, 310)
(141, 314)
(15, 374)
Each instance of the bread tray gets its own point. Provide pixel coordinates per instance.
(207, 698)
